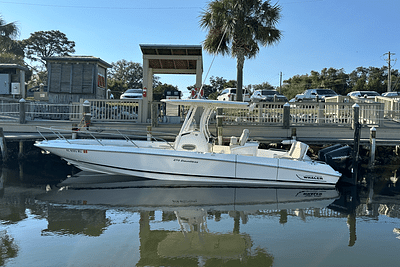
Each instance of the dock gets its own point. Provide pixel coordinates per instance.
(314, 123)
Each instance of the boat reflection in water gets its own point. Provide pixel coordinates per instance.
(101, 189)
(189, 205)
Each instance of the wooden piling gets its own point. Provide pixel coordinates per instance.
(286, 116)
(372, 140)
(219, 126)
(21, 149)
(86, 113)
(22, 111)
(148, 133)
(3, 146)
(356, 148)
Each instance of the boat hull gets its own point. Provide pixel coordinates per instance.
(169, 164)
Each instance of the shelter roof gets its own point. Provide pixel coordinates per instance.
(79, 59)
(180, 59)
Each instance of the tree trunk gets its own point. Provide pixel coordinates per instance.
(239, 77)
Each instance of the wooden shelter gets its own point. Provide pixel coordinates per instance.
(71, 78)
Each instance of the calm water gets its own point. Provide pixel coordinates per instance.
(124, 222)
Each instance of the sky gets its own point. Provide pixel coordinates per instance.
(316, 34)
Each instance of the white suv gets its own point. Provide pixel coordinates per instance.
(229, 94)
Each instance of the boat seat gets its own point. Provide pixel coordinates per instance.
(298, 150)
(244, 137)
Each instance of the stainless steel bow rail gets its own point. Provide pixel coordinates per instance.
(100, 135)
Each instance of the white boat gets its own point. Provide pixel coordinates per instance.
(195, 156)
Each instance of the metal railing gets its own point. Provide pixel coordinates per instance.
(9, 111)
(99, 136)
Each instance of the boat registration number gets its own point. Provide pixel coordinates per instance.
(77, 150)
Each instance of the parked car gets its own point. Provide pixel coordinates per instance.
(388, 94)
(364, 94)
(312, 94)
(266, 95)
(132, 94)
(229, 94)
(31, 91)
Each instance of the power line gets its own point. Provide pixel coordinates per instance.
(99, 7)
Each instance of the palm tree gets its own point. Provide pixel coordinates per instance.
(237, 27)
(9, 48)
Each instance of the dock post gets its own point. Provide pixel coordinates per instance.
(86, 113)
(219, 126)
(75, 130)
(148, 133)
(21, 149)
(22, 111)
(321, 109)
(356, 115)
(372, 140)
(3, 146)
(294, 134)
(357, 127)
(286, 116)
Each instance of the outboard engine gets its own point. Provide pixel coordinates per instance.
(338, 157)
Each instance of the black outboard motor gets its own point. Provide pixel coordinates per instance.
(338, 157)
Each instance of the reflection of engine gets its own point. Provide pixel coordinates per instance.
(195, 220)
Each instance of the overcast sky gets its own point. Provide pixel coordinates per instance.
(317, 34)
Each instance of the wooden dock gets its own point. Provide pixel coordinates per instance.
(386, 135)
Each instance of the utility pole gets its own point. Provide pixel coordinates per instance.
(389, 89)
(280, 82)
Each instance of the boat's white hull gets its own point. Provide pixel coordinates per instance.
(169, 164)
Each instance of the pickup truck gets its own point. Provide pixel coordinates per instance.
(312, 94)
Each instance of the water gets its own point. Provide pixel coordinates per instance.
(86, 222)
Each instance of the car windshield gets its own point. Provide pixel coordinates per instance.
(269, 92)
(325, 92)
(369, 93)
(137, 91)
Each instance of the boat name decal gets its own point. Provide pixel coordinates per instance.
(309, 194)
(310, 177)
(184, 201)
(76, 150)
(186, 161)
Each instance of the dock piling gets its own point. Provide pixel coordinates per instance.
(372, 140)
(3, 146)
(356, 148)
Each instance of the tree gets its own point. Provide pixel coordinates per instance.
(238, 27)
(10, 49)
(47, 44)
(264, 85)
(158, 92)
(127, 74)
(218, 83)
(211, 91)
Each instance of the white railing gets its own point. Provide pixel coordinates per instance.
(46, 111)
(311, 113)
(9, 111)
(271, 113)
(115, 109)
(262, 113)
(391, 107)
